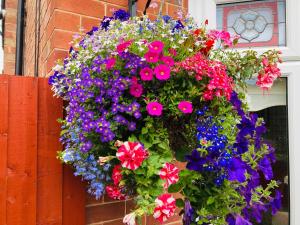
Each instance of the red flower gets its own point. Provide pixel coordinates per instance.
(114, 192)
(165, 207)
(170, 173)
(131, 155)
(123, 46)
(116, 174)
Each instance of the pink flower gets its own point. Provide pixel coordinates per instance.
(268, 75)
(151, 57)
(165, 207)
(116, 174)
(154, 108)
(185, 107)
(146, 74)
(131, 155)
(110, 63)
(173, 51)
(162, 72)
(123, 46)
(114, 192)
(156, 46)
(169, 61)
(170, 173)
(136, 90)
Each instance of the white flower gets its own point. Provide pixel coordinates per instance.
(180, 41)
(129, 219)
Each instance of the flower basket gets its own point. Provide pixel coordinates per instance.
(143, 95)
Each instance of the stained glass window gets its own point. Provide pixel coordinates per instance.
(258, 23)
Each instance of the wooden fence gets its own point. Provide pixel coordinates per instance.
(35, 189)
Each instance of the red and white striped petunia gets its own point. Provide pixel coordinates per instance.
(165, 207)
(170, 173)
(131, 155)
(114, 192)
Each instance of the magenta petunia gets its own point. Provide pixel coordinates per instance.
(110, 63)
(154, 108)
(136, 90)
(169, 61)
(162, 72)
(151, 57)
(156, 46)
(146, 74)
(185, 107)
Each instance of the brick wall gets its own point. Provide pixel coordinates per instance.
(10, 36)
(59, 21)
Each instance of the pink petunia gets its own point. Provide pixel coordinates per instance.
(172, 51)
(185, 107)
(146, 74)
(156, 47)
(123, 46)
(162, 72)
(114, 192)
(151, 57)
(131, 155)
(154, 108)
(165, 207)
(116, 174)
(136, 90)
(110, 63)
(170, 173)
(169, 61)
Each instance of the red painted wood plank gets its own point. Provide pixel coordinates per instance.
(74, 197)
(49, 186)
(22, 151)
(3, 144)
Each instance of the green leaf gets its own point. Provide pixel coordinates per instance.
(179, 203)
(174, 188)
(210, 200)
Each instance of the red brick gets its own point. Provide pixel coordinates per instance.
(105, 212)
(110, 9)
(66, 21)
(88, 22)
(123, 3)
(142, 3)
(61, 39)
(114, 222)
(174, 9)
(92, 8)
(55, 55)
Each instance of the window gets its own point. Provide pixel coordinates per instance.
(273, 108)
(258, 23)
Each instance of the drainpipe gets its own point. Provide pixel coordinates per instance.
(2, 18)
(20, 38)
(132, 7)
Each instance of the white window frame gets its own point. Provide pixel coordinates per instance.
(206, 9)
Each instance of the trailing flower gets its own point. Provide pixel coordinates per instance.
(142, 94)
